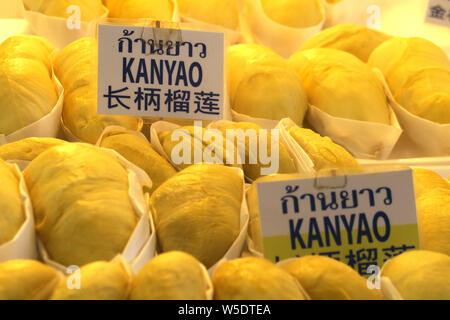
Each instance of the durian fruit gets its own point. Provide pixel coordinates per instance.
(294, 13)
(198, 211)
(89, 9)
(420, 275)
(433, 211)
(261, 84)
(324, 153)
(140, 152)
(27, 280)
(254, 171)
(191, 137)
(427, 180)
(341, 85)
(27, 149)
(99, 280)
(135, 9)
(254, 279)
(216, 12)
(12, 215)
(76, 68)
(27, 92)
(82, 209)
(172, 275)
(418, 74)
(324, 278)
(357, 40)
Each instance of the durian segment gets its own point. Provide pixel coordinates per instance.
(254, 279)
(27, 149)
(99, 280)
(324, 278)
(82, 208)
(324, 153)
(135, 9)
(76, 68)
(261, 84)
(294, 13)
(139, 151)
(216, 12)
(88, 9)
(27, 92)
(341, 85)
(27, 280)
(420, 275)
(198, 211)
(12, 214)
(172, 275)
(357, 40)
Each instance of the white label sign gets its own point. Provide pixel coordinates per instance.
(157, 72)
(359, 219)
(438, 12)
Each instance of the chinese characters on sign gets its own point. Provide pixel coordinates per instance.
(152, 73)
(438, 12)
(365, 221)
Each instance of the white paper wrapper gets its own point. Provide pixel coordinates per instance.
(432, 138)
(141, 243)
(388, 289)
(47, 126)
(365, 140)
(258, 28)
(23, 245)
(56, 29)
(237, 247)
(264, 123)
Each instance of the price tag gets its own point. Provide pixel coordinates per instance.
(361, 219)
(438, 12)
(159, 72)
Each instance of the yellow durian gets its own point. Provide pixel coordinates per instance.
(27, 280)
(433, 211)
(27, 92)
(198, 211)
(420, 275)
(12, 214)
(172, 275)
(82, 208)
(27, 149)
(341, 85)
(294, 13)
(254, 279)
(253, 171)
(140, 152)
(217, 12)
(89, 9)
(135, 9)
(324, 153)
(324, 278)
(76, 68)
(99, 280)
(357, 40)
(427, 180)
(261, 84)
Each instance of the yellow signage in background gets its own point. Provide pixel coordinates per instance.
(361, 219)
